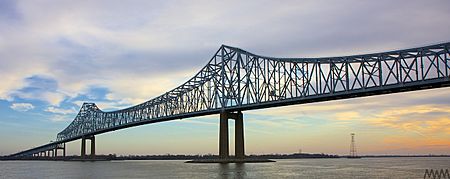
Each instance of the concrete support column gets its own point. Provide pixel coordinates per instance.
(93, 147)
(223, 136)
(64, 150)
(55, 151)
(83, 147)
(239, 136)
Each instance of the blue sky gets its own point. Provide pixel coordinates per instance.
(55, 55)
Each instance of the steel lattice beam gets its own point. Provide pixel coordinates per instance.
(237, 80)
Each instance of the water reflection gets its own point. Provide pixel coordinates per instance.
(232, 171)
(404, 167)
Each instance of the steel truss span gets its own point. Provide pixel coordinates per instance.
(237, 80)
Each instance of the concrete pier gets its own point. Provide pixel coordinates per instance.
(92, 146)
(239, 135)
(223, 136)
(224, 156)
(83, 146)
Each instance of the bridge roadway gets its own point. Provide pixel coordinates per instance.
(235, 80)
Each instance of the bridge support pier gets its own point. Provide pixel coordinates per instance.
(239, 135)
(223, 136)
(83, 146)
(64, 149)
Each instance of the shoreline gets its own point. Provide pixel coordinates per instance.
(182, 157)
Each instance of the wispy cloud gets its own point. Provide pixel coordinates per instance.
(350, 115)
(423, 119)
(406, 144)
(40, 88)
(60, 118)
(60, 110)
(22, 106)
(85, 45)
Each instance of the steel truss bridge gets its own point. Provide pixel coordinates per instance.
(235, 80)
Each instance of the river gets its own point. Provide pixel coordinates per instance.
(292, 168)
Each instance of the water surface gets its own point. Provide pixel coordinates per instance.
(295, 168)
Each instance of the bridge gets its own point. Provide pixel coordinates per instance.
(235, 80)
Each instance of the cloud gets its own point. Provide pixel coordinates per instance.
(54, 98)
(60, 110)
(61, 118)
(417, 144)
(22, 107)
(39, 87)
(422, 119)
(85, 45)
(350, 115)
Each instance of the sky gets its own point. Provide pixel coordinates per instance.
(55, 55)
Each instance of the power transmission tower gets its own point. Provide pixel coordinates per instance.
(353, 153)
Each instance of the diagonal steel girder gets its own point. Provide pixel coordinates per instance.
(237, 80)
